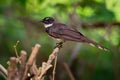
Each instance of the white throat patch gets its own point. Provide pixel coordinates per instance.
(48, 25)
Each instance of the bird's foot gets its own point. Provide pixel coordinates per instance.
(59, 45)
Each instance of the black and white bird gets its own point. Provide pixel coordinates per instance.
(63, 33)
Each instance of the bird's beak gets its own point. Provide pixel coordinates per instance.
(40, 21)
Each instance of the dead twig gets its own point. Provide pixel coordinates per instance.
(22, 69)
(31, 60)
(15, 48)
(12, 69)
(47, 65)
(68, 71)
(54, 67)
(3, 71)
(23, 58)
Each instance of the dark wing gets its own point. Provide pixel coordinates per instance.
(68, 33)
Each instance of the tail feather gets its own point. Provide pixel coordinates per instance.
(92, 43)
(98, 45)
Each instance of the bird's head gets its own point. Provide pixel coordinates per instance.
(47, 21)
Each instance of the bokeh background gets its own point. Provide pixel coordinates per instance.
(97, 19)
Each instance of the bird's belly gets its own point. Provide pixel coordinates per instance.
(55, 38)
(60, 40)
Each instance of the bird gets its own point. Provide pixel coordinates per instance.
(63, 33)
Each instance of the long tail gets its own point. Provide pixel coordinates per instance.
(92, 43)
(73, 35)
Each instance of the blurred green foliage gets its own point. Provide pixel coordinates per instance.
(18, 21)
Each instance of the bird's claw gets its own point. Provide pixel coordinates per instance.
(59, 45)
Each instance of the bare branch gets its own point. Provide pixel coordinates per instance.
(15, 46)
(68, 71)
(31, 60)
(12, 69)
(22, 69)
(23, 57)
(3, 71)
(47, 65)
